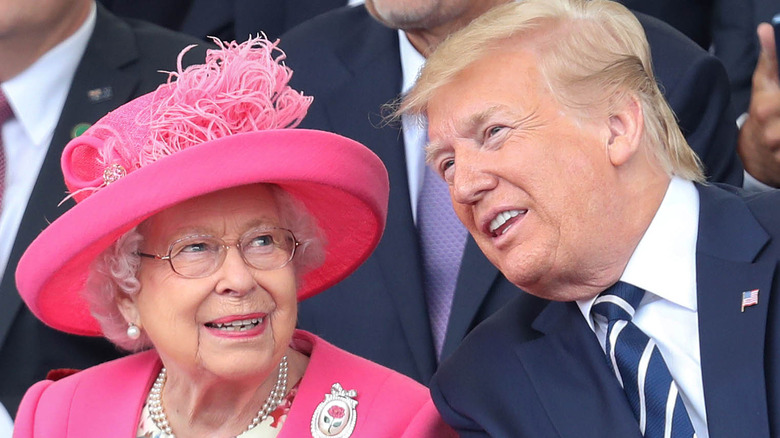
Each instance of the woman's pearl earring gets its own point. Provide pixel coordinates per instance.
(133, 332)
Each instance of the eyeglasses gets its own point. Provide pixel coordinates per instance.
(198, 256)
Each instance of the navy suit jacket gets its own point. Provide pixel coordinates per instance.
(350, 63)
(728, 25)
(226, 19)
(528, 373)
(125, 57)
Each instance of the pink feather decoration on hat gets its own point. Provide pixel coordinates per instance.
(240, 88)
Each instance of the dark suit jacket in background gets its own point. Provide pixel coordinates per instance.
(543, 374)
(726, 26)
(226, 19)
(126, 57)
(350, 64)
(763, 11)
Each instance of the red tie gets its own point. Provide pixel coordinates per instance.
(5, 114)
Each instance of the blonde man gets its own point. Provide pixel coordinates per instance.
(568, 169)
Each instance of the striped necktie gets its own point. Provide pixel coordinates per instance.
(640, 368)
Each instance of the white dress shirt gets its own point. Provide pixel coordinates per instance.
(6, 424)
(664, 265)
(37, 96)
(414, 127)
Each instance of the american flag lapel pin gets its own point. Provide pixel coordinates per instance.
(749, 298)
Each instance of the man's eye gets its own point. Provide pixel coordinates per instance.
(447, 168)
(493, 130)
(446, 165)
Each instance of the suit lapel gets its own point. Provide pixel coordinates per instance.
(570, 376)
(371, 79)
(732, 342)
(475, 278)
(99, 86)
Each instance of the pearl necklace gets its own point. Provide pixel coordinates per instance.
(154, 401)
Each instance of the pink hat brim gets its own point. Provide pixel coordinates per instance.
(342, 184)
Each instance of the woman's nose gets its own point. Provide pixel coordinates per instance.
(236, 277)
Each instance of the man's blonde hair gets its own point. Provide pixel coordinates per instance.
(593, 54)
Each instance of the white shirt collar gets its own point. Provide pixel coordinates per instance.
(664, 261)
(414, 127)
(411, 61)
(37, 95)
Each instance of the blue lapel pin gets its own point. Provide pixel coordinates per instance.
(97, 95)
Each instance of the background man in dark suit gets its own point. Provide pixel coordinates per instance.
(566, 165)
(725, 27)
(353, 63)
(63, 65)
(759, 136)
(225, 19)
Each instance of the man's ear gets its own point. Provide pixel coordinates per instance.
(626, 126)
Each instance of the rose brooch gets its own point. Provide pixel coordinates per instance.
(335, 417)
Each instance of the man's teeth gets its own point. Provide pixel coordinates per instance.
(240, 325)
(502, 218)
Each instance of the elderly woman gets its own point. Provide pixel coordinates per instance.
(201, 219)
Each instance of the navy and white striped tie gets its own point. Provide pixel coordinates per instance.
(640, 368)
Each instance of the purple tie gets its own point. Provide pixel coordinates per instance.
(442, 239)
(5, 114)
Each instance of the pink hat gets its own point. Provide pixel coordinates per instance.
(222, 124)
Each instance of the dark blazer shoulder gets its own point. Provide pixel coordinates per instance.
(483, 388)
(763, 205)
(144, 46)
(483, 352)
(332, 27)
(346, 40)
(766, 207)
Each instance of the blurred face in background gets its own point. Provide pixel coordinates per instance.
(428, 22)
(41, 16)
(30, 29)
(418, 14)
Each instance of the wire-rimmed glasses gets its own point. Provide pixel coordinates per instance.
(198, 256)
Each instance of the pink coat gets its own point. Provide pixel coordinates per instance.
(106, 400)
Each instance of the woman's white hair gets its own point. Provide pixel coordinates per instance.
(114, 271)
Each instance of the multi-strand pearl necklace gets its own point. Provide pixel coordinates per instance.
(154, 401)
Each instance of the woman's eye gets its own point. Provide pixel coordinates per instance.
(195, 247)
(261, 240)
